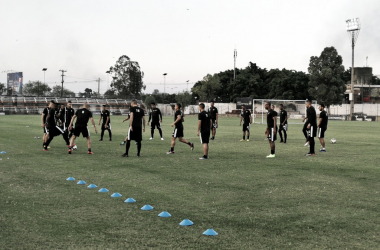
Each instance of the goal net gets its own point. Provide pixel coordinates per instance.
(296, 110)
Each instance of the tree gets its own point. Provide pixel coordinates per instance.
(35, 88)
(149, 99)
(208, 87)
(127, 78)
(110, 94)
(2, 88)
(56, 91)
(87, 93)
(326, 83)
(184, 98)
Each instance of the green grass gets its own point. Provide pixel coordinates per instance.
(330, 201)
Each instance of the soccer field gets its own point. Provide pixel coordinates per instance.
(329, 201)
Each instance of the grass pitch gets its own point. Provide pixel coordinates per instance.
(329, 201)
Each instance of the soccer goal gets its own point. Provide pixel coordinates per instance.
(296, 110)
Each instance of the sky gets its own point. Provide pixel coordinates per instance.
(187, 39)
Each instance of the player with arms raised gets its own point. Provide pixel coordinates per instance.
(271, 131)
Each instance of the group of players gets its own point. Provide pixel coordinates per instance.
(59, 121)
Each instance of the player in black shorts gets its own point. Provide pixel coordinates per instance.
(322, 126)
(106, 125)
(204, 125)
(82, 115)
(44, 114)
(311, 126)
(135, 128)
(271, 131)
(213, 112)
(65, 115)
(51, 126)
(178, 130)
(156, 117)
(283, 123)
(246, 117)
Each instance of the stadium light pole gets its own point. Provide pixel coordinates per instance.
(187, 82)
(165, 82)
(353, 29)
(44, 70)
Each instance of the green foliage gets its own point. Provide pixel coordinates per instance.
(208, 87)
(2, 88)
(35, 88)
(110, 94)
(185, 98)
(127, 78)
(57, 90)
(149, 99)
(326, 83)
(88, 93)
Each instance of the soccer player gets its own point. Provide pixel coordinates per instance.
(82, 115)
(213, 112)
(134, 133)
(322, 125)
(305, 131)
(51, 125)
(312, 126)
(65, 115)
(178, 130)
(126, 138)
(204, 127)
(283, 123)
(156, 118)
(44, 114)
(106, 125)
(246, 117)
(271, 131)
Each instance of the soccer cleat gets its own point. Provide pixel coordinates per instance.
(124, 155)
(309, 154)
(322, 150)
(170, 152)
(122, 143)
(247, 139)
(281, 141)
(45, 149)
(110, 139)
(242, 140)
(151, 138)
(90, 152)
(306, 144)
(192, 146)
(162, 139)
(203, 158)
(101, 140)
(271, 156)
(212, 138)
(69, 151)
(48, 147)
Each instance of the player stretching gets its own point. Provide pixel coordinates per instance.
(312, 126)
(283, 123)
(322, 125)
(134, 132)
(204, 127)
(45, 113)
(247, 121)
(178, 130)
(82, 115)
(271, 131)
(106, 125)
(156, 118)
(213, 112)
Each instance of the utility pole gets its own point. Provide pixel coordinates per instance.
(235, 55)
(187, 82)
(63, 71)
(98, 87)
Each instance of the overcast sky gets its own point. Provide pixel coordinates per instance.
(185, 38)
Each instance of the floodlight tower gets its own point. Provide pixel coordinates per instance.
(164, 81)
(353, 29)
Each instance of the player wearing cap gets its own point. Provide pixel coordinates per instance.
(82, 115)
(271, 131)
(156, 117)
(135, 128)
(106, 125)
(246, 117)
(322, 126)
(283, 123)
(311, 126)
(213, 113)
(204, 127)
(178, 130)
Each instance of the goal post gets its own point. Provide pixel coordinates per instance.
(296, 109)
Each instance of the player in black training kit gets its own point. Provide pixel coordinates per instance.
(311, 126)
(271, 131)
(156, 117)
(106, 125)
(178, 130)
(213, 112)
(44, 114)
(126, 138)
(204, 126)
(245, 115)
(322, 126)
(135, 127)
(65, 115)
(82, 115)
(51, 125)
(283, 123)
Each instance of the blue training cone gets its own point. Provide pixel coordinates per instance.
(147, 207)
(186, 222)
(210, 232)
(130, 200)
(92, 186)
(115, 195)
(3, 152)
(81, 182)
(103, 190)
(164, 214)
(70, 179)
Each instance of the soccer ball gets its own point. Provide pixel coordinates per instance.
(333, 140)
(75, 147)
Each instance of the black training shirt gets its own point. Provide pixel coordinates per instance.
(311, 115)
(325, 119)
(104, 115)
(283, 115)
(155, 115)
(51, 121)
(179, 123)
(204, 117)
(83, 115)
(270, 115)
(66, 114)
(246, 116)
(45, 112)
(213, 111)
(138, 114)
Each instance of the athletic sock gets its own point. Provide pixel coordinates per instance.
(127, 147)
(243, 137)
(152, 132)
(89, 149)
(138, 148)
(248, 137)
(172, 149)
(159, 130)
(272, 152)
(205, 156)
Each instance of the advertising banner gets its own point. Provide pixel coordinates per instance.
(247, 101)
(14, 83)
